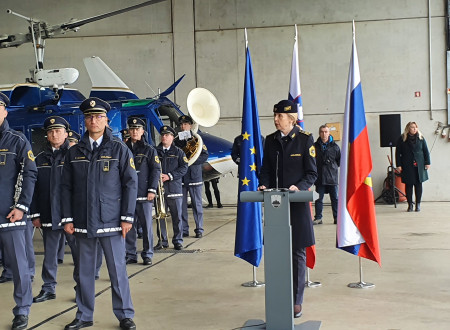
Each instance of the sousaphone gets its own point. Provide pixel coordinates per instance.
(204, 109)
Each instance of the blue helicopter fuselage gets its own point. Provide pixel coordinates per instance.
(32, 104)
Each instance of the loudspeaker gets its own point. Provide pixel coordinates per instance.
(390, 130)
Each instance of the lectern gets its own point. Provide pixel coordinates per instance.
(278, 255)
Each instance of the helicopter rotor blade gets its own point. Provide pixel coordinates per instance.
(72, 25)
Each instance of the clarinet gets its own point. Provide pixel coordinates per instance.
(18, 186)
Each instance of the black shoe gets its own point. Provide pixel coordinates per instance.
(198, 235)
(130, 261)
(417, 207)
(219, 206)
(139, 236)
(97, 277)
(178, 246)
(60, 261)
(209, 206)
(185, 234)
(44, 296)
(317, 222)
(78, 324)
(20, 322)
(4, 279)
(410, 207)
(335, 221)
(159, 246)
(147, 261)
(127, 324)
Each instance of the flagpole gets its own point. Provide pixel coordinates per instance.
(311, 284)
(361, 284)
(254, 283)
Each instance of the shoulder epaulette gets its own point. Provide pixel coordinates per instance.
(305, 132)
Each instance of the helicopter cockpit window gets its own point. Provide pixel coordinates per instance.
(38, 139)
(169, 116)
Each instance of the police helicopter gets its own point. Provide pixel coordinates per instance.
(47, 93)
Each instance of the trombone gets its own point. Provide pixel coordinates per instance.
(160, 209)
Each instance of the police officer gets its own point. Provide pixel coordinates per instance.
(125, 134)
(99, 190)
(174, 165)
(17, 179)
(45, 208)
(291, 151)
(192, 180)
(149, 171)
(73, 137)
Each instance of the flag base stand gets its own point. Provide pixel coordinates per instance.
(311, 284)
(260, 325)
(361, 284)
(254, 283)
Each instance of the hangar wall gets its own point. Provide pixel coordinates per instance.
(153, 46)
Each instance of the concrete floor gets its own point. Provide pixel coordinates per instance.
(201, 287)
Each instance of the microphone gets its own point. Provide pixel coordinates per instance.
(276, 172)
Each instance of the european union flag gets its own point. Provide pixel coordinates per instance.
(249, 235)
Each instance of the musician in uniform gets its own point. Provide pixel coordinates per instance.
(125, 134)
(99, 190)
(17, 179)
(192, 180)
(174, 165)
(291, 151)
(73, 137)
(149, 171)
(45, 207)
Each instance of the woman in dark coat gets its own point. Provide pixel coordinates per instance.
(294, 151)
(413, 161)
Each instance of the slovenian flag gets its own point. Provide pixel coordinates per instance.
(295, 92)
(249, 232)
(356, 225)
(295, 95)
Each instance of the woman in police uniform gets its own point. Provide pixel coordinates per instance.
(293, 150)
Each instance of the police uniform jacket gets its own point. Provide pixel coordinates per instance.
(46, 203)
(408, 154)
(194, 174)
(296, 166)
(328, 159)
(148, 168)
(175, 164)
(14, 150)
(99, 188)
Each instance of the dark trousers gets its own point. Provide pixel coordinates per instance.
(52, 239)
(143, 216)
(298, 274)
(14, 250)
(174, 205)
(214, 183)
(114, 251)
(195, 191)
(417, 189)
(333, 192)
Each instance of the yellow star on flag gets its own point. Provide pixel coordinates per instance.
(245, 181)
(253, 151)
(253, 167)
(245, 136)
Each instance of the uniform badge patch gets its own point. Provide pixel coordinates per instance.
(132, 163)
(92, 103)
(185, 159)
(312, 151)
(204, 147)
(30, 155)
(52, 121)
(157, 159)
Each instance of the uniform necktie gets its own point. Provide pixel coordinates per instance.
(94, 146)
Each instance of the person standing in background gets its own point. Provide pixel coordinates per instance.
(413, 161)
